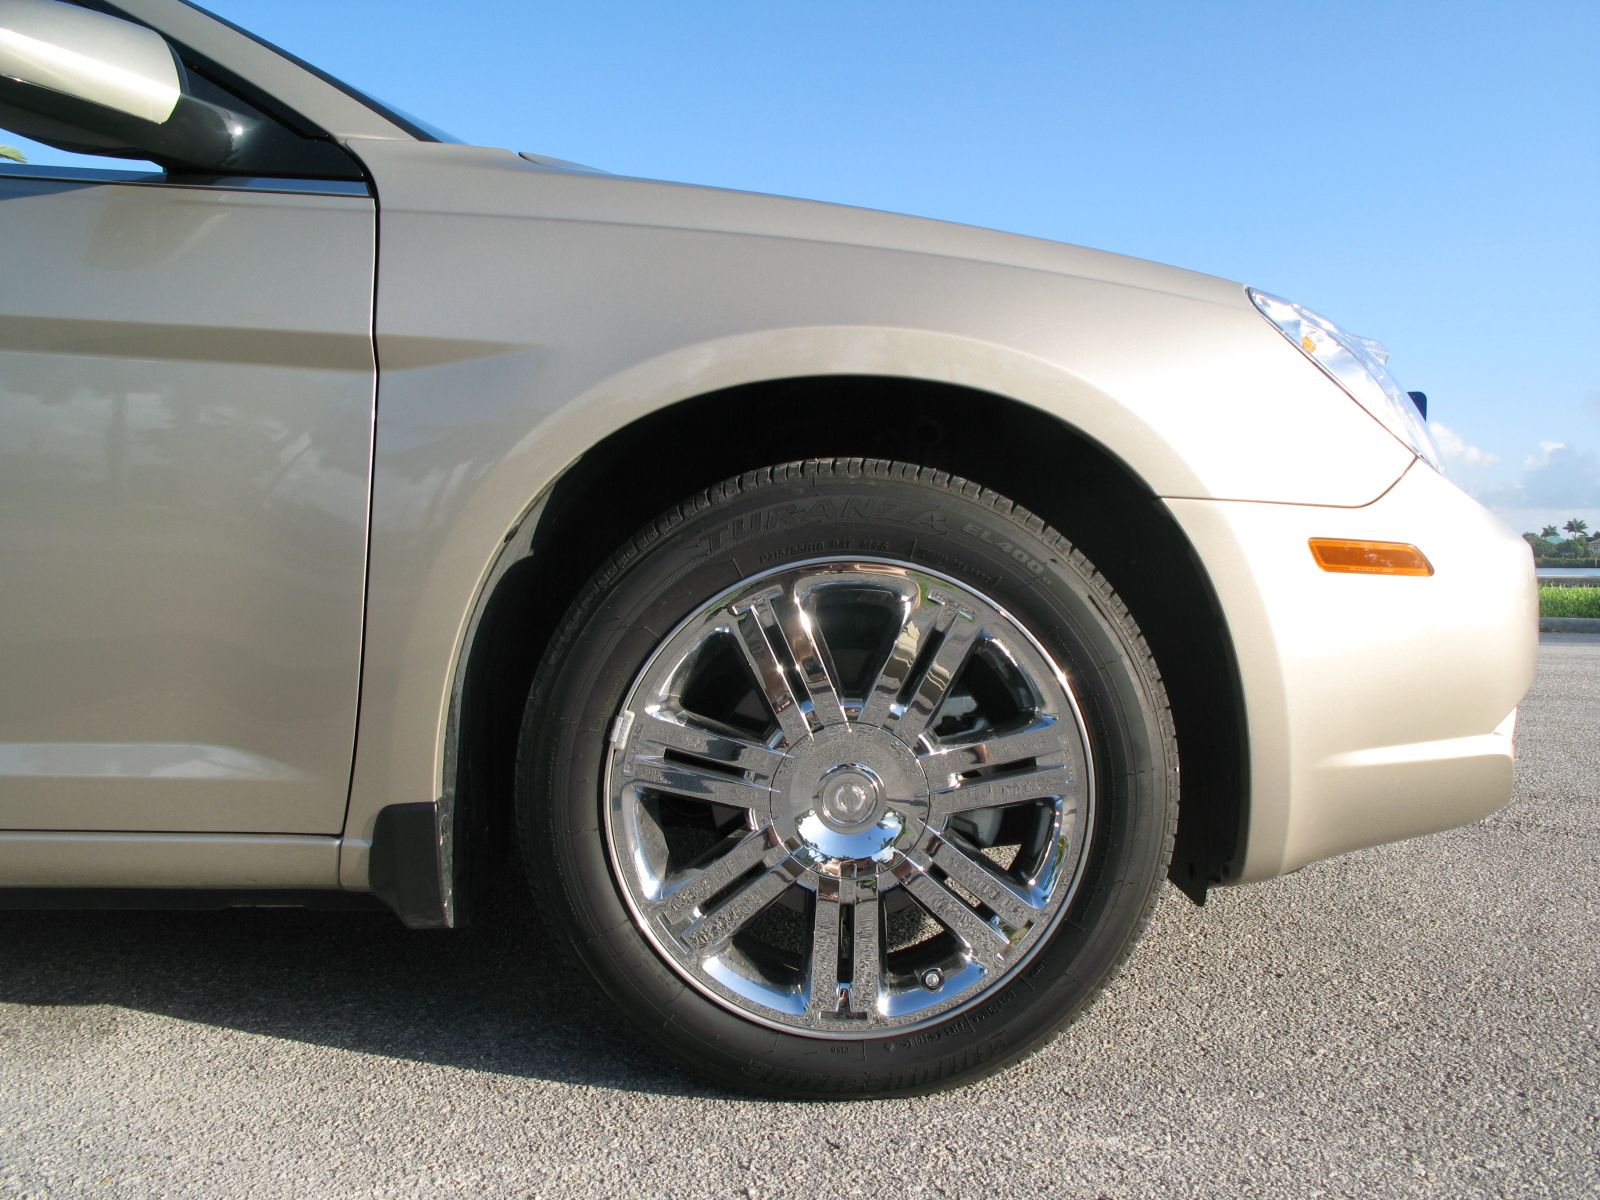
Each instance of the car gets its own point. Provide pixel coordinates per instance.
(849, 622)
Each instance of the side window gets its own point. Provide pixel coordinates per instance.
(16, 150)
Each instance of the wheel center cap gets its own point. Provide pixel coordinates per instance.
(848, 796)
(847, 799)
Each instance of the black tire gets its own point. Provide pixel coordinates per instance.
(588, 812)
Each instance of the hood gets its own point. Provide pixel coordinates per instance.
(471, 179)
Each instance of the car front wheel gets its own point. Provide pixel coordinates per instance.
(848, 778)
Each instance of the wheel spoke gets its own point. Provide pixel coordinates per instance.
(983, 941)
(699, 783)
(1042, 739)
(826, 996)
(967, 869)
(711, 932)
(798, 620)
(1015, 788)
(768, 667)
(960, 635)
(668, 729)
(917, 620)
(751, 850)
(866, 949)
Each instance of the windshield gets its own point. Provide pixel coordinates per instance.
(421, 130)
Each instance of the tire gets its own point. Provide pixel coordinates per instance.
(847, 778)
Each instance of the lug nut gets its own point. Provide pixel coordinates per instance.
(933, 979)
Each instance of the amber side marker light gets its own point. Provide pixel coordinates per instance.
(1369, 558)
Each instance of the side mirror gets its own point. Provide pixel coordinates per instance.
(94, 84)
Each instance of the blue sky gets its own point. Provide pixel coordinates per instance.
(1423, 173)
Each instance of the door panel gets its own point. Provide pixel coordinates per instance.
(186, 405)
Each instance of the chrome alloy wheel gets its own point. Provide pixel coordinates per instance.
(848, 797)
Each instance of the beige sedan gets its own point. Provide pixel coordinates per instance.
(826, 606)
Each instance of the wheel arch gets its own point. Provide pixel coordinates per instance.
(1034, 458)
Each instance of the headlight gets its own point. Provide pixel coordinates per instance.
(1357, 365)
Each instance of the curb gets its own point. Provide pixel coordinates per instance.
(1569, 624)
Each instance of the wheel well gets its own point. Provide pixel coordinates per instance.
(1029, 456)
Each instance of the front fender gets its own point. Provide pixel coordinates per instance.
(524, 314)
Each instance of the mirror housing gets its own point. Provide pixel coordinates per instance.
(90, 83)
(96, 58)
(94, 84)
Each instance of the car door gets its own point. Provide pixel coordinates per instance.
(186, 410)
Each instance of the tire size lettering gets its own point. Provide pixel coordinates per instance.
(1005, 545)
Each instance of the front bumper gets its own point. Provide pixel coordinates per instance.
(1379, 707)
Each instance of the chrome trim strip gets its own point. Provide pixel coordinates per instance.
(241, 183)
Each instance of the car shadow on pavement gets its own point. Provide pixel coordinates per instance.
(490, 997)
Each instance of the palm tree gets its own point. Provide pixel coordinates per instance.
(1577, 527)
(13, 154)
(1549, 531)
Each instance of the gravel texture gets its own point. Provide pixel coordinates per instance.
(1417, 1020)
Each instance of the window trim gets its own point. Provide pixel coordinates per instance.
(288, 185)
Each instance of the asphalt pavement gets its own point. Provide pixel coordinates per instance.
(1416, 1020)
